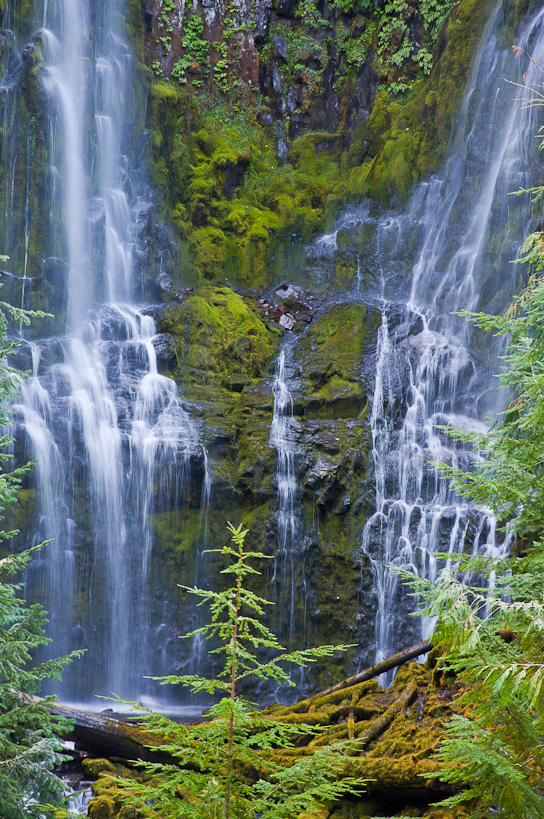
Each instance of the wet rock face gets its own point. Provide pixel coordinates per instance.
(225, 350)
(271, 49)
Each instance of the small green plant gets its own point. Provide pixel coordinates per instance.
(196, 47)
(395, 44)
(226, 767)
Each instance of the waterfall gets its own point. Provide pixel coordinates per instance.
(112, 440)
(282, 439)
(426, 347)
(286, 557)
(115, 445)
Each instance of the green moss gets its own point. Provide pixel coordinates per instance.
(409, 137)
(228, 195)
(218, 339)
(208, 245)
(94, 767)
(333, 352)
(176, 536)
(102, 807)
(164, 92)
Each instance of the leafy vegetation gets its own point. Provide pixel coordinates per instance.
(388, 33)
(224, 766)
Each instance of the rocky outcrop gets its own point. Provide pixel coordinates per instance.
(221, 347)
(267, 117)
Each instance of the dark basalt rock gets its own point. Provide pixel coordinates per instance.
(164, 348)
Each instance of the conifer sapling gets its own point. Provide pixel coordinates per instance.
(226, 768)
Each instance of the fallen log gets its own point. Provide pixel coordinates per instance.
(374, 671)
(395, 778)
(113, 737)
(380, 725)
(109, 736)
(399, 777)
(317, 701)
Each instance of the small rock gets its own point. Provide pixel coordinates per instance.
(194, 67)
(281, 47)
(287, 321)
(165, 282)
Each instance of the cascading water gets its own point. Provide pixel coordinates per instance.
(282, 438)
(116, 448)
(112, 441)
(425, 352)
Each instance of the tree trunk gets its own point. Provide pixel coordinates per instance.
(109, 736)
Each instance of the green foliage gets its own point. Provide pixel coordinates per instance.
(29, 734)
(196, 48)
(224, 767)
(395, 44)
(494, 637)
(29, 743)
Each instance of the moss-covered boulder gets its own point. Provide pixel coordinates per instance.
(218, 341)
(332, 357)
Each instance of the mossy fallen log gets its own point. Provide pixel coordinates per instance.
(367, 735)
(318, 701)
(394, 731)
(352, 729)
(398, 777)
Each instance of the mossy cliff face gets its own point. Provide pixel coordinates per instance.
(262, 122)
(222, 353)
(266, 119)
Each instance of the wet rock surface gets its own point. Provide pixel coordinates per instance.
(225, 346)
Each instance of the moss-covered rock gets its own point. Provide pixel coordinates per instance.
(218, 340)
(93, 767)
(102, 807)
(407, 138)
(224, 354)
(332, 355)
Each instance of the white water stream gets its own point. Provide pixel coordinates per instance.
(112, 442)
(287, 560)
(465, 221)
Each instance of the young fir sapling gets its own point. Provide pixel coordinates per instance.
(226, 767)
